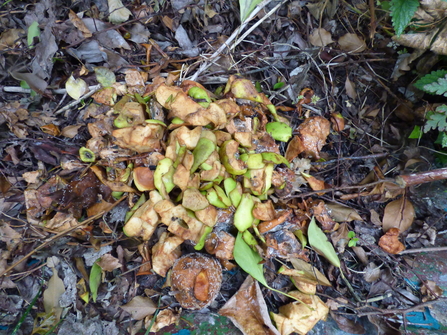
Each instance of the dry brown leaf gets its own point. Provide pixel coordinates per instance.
(248, 311)
(9, 37)
(70, 131)
(320, 37)
(351, 43)
(342, 213)
(350, 88)
(140, 307)
(294, 148)
(52, 294)
(109, 263)
(165, 318)
(398, 214)
(297, 317)
(78, 23)
(431, 291)
(390, 242)
(313, 133)
(372, 273)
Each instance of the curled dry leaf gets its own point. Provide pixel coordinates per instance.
(350, 88)
(390, 242)
(320, 37)
(342, 213)
(398, 214)
(297, 317)
(431, 291)
(140, 138)
(165, 318)
(140, 307)
(351, 43)
(248, 311)
(313, 133)
(109, 263)
(196, 280)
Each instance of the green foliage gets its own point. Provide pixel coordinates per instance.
(246, 7)
(402, 11)
(248, 260)
(416, 133)
(318, 241)
(278, 85)
(436, 119)
(442, 138)
(95, 280)
(352, 239)
(438, 87)
(430, 79)
(33, 31)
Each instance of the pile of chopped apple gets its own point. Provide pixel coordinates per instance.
(208, 161)
(214, 158)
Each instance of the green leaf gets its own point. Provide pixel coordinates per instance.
(351, 234)
(76, 88)
(436, 119)
(416, 133)
(95, 280)
(248, 260)
(247, 7)
(33, 31)
(104, 76)
(279, 85)
(442, 138)
(318, 241)
(429, 79)
(438, 87)
(402, 11)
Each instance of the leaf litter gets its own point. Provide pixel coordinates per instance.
(157, 175)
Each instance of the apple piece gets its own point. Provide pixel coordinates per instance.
(227, 156)
(194, 200)
(243, 217)
(201, 152)
(143, 178)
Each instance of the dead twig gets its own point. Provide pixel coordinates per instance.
(421, 177)
(418, 250)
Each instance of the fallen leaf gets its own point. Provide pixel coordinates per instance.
(340, 213)
(70, 131)
(319, 242)
(431, 291)
(118, 13)
(320, 37)
(248, 311)
(78, 23)
(140, 307)
(76, 88)
(313, 133)
(350, 89)
(165, 318)
(398, 214)
(51, 296)
(351, 43)
(10, 37)
(297, 317)
(390, 242)
(109, 263)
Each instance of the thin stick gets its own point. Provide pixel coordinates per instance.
(55, 237)
(417, 250)
(340, 159)
(421, 177)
